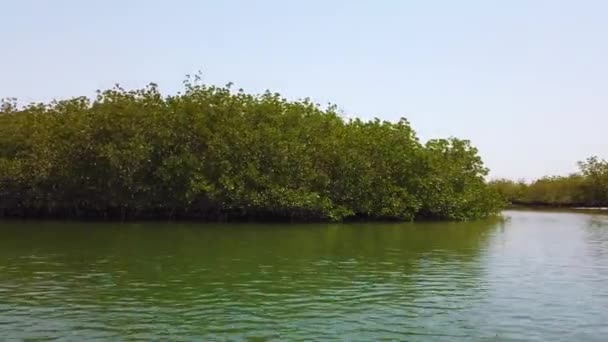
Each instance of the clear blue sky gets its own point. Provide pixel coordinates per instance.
(526, 81)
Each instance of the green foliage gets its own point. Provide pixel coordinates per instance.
(214, 153)
(595, 186)
(587, 188)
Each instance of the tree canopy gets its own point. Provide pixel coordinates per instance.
(214, 153)
(586, 188)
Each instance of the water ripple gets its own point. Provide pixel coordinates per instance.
(537, 277)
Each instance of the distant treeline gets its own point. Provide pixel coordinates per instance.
(217, 154)
(587, 188)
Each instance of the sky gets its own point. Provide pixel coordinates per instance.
(525, 80)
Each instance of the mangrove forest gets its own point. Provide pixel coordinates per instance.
(216, 153)
(586, 188)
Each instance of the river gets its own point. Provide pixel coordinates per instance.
(534, 276)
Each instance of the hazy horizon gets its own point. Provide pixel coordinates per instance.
(524, 81)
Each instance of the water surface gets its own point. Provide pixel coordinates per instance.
(536, 276)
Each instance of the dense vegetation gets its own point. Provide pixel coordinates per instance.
(217, 154)
(587, 188)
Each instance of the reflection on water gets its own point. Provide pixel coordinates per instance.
(533, 276)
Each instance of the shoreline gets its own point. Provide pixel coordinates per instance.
(557, 208)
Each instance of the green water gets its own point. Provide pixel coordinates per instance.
(536, 276)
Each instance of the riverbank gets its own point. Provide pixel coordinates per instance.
(554, 208)
(586, 189)
(116, 216)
